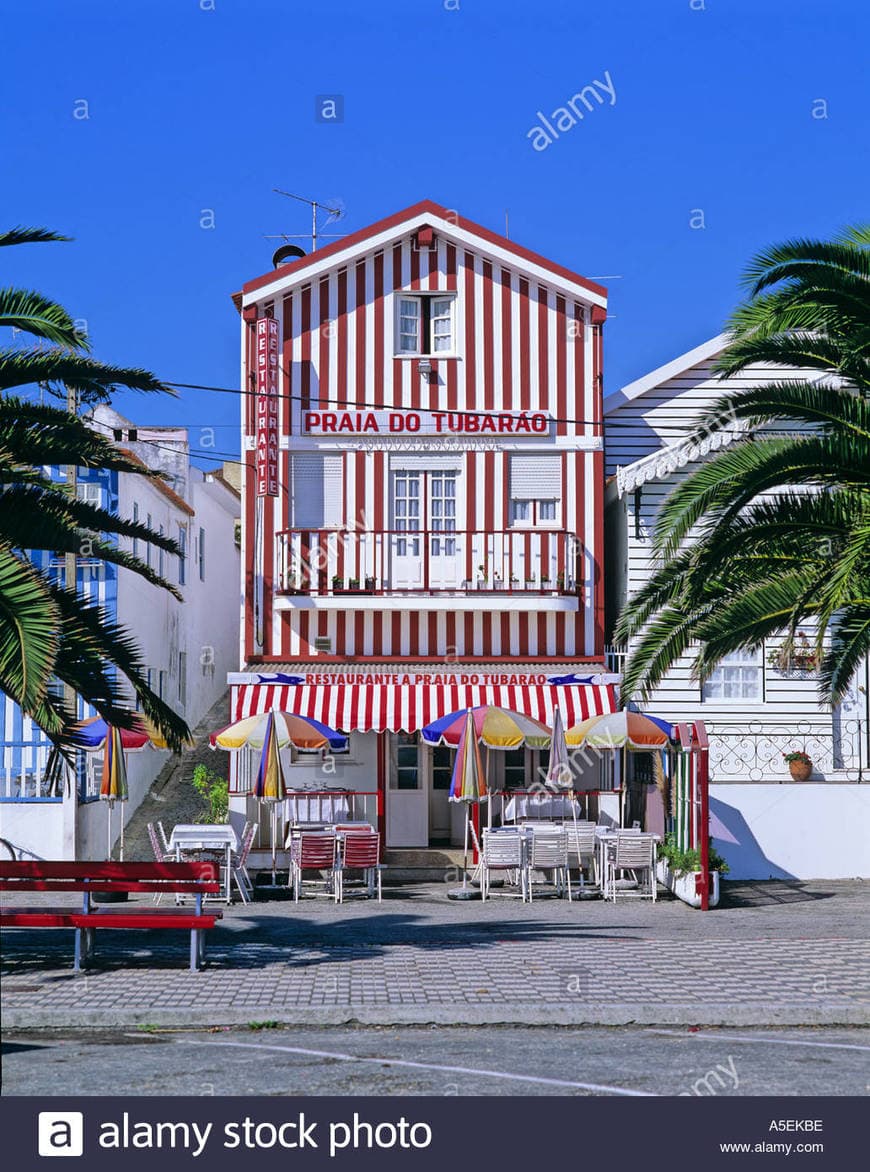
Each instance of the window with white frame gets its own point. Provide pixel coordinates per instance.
(739, 676)
(535, 490)
(182, 555)
(425, 324)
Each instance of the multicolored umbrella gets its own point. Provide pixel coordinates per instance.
(270, 785)
(619, 730)
(91, 735)
(468, 783)
(113, 784)
(497, 728)
(300, 731)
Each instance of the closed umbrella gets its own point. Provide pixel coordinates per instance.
(113, 785)
(270, 785)
(468, 784)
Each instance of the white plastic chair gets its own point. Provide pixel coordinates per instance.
(582, 843)
(548, 851)
(504, 851)
(635, 853)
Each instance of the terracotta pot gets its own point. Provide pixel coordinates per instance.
(800, 770)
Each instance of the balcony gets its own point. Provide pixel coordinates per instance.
(523, 569)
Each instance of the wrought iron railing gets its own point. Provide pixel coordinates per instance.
(754, 752)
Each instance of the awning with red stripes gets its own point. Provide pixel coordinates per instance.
(408, 707)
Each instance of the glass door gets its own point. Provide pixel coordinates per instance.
(426, 548)
(406, 570)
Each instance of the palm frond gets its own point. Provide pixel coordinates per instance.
(24, 309)
(28, 631)
(86, 376)
(21, 235)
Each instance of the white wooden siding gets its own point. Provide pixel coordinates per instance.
(748, 732)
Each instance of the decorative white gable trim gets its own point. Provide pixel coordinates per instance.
(662, 463)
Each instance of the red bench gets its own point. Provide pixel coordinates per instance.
(89, 879)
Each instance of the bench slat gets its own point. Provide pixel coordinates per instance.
(125, 920)
(48, 869)
(169, 887)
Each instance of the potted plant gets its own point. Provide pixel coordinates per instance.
(530, 581)
(370, 584)
(560, 582)
(680, 870)
(497, 582)
(545, 581)
(800, 764)
(337, 584)
(353, 585)
(483, 571)
(514, 581)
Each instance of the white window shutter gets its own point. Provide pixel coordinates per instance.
(536, 478)
(316, 490)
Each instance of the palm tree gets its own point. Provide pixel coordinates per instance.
(774, 530)
(48, 634)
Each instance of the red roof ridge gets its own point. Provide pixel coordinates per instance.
(409, 213)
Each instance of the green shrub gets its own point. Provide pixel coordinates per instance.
(681, 862)
(213, 789)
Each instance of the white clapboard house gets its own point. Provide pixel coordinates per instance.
(756, 706)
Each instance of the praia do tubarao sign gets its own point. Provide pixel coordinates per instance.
(428, 423)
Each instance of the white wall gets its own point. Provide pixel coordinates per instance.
(800, 831)
(35, 829)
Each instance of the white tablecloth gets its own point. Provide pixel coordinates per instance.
(539, 806)
(195, 836)
(317, 808)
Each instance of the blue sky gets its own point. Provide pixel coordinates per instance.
(209, 104)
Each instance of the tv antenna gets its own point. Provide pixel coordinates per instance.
(335, 212)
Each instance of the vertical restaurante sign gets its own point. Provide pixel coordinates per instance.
(267, 406)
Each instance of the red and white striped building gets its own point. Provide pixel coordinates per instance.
(423, 499)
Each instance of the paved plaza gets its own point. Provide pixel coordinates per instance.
(775, 954)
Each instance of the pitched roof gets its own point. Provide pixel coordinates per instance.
(456, 228)
(662, 374)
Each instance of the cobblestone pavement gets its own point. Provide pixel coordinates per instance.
(774, 954)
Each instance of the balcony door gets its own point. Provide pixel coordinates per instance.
(426, 553)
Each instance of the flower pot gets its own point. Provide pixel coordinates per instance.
(685, 885)
(800, 770)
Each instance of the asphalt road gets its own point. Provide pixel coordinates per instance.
(484, 1060)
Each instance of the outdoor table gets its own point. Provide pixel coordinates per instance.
(190, 837)
(317, 807)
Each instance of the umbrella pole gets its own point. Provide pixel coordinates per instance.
(121, 848)
(465, 852)
(273, 830)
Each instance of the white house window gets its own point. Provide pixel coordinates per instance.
(425, 324)
(316, 490)
(535, 490)
(740, 676)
